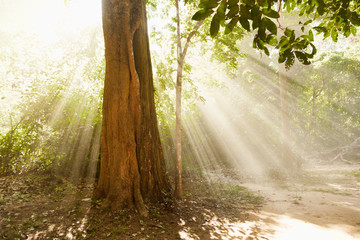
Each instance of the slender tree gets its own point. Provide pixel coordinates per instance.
(132, 165)
(178, 172)
(181, 54)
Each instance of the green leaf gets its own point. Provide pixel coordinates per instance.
(255, 23)
(320, 29)
(321, 8)
(249, 2)
(353, 30)
(266, 50)
(307, 22)
(314, 50)
(261, 2)
(255, 12)
(260, 44)
(346, 33)
(256, 17)
(355, 19)
(245, 23)
(283, 42)
(285, 48)
(290, 60)
(209, 4)
(245, 11)
(292, 37)
(311, 35)
(302, 11)
(215, 25)
(221, 12)
(334, 34)
(302, 57)
(281, 58)
(230, 26)
(288, 32)
(326, 34)
(300, 44)
(270, 13)
(232, 3)
(262, 29)
(271, 40)
(202, 14)
(232, 12)
(271, 26)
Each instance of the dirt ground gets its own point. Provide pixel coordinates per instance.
(321, 202)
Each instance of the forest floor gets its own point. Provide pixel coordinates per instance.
(323, 202)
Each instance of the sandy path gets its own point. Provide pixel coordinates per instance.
(325, 206)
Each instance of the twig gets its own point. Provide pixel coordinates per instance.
(277, 19)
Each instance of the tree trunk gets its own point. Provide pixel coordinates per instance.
(287, 158)
(132, 165)
(178, 170)
(181, 54)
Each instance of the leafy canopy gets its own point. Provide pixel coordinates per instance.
(329, 17)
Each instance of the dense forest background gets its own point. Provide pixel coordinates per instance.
(51, 96)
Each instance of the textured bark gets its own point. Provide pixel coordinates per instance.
(132, 165)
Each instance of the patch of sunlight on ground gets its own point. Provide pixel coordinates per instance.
(270, 227)
(77, 229)
(294, 229)
(186, 234)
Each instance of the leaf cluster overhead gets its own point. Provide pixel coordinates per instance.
(329, 17)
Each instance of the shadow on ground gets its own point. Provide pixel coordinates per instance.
(45, 206)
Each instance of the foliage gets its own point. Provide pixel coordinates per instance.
(328, 17)
(220, 50)
(324, 107)
(52, 102)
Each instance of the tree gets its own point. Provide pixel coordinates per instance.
(132, 165)
(178, 165)
(181, 54)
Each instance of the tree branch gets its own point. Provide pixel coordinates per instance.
(277, 19)
(196, 27)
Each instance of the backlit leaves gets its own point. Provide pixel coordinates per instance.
(271, 13)
(337, 17)
(208, 4)
(245, 23)
(230, 26)
(202, 14)
(271, 26)
(215, 25)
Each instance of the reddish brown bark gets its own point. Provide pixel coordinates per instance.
(132, 164)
